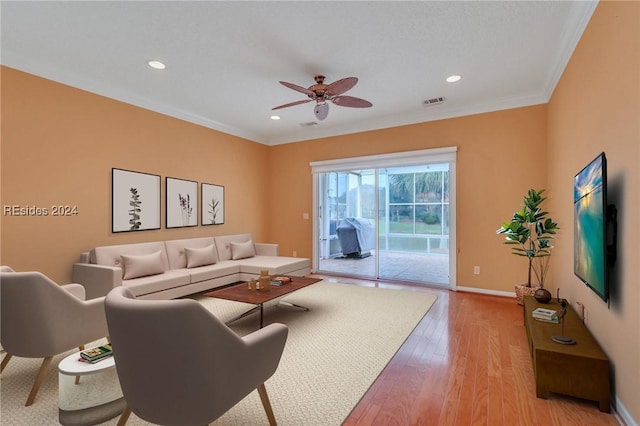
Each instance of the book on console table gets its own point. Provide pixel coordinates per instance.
(97, 354)
(554, 320)
(542, 313)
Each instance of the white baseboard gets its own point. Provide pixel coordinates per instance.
(623, 415)
(488, 292)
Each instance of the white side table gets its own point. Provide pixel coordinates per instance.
(94, 398)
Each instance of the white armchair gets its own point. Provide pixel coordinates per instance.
(41, 319)
(180, 365)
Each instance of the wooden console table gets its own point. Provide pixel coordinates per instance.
(580, 370)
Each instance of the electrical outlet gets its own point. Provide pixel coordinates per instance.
(476, 270)
(585, 318)
(295, 253)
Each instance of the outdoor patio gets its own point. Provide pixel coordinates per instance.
(402, 266)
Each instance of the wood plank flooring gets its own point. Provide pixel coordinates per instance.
(466, 363)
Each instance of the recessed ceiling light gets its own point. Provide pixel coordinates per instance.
(454, 78)
(157, 65)
(275, 117)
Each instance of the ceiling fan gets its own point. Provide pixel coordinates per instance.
(321, 93)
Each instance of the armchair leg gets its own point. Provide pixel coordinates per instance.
(262, 391)
(81, 347)
(124, 416)
(5, 361)
(44, 368)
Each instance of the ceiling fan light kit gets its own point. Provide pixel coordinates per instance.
(321, 93)
(321, 110)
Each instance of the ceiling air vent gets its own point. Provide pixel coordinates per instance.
(310, 123)
(433, 101)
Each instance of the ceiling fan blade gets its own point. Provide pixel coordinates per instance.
(293, 104)
(341, 86)
(298, 88)
(350, 101)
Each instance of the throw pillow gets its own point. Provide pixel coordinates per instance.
(143, 265)
(200, 256)
(242, 250)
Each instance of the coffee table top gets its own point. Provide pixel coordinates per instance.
(241, 293)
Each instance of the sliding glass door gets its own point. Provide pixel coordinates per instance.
(390, 222)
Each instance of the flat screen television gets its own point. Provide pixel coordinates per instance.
(593, 231)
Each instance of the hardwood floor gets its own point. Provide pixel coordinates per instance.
(466, 363)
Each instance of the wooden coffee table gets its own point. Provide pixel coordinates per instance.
(241, 293)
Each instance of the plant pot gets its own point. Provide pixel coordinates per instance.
(542, 295)
(523, 290)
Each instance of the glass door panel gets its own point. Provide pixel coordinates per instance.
(347, 228)
(414, 239)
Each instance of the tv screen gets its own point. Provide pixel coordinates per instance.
(590, 262)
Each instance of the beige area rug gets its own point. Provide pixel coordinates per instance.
(333, 354)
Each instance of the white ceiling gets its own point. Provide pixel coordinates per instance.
(224, 59)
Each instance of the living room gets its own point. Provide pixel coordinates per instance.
(60, 143)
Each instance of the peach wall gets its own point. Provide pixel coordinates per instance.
(500, 156)
(58, 147)
(595, 108)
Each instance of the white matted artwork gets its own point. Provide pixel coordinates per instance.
(212, 204)
(135, 201)
(181, 203)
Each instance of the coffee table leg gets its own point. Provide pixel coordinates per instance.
(261, 307)
(261, 313)
(293, 305)
(249, 312)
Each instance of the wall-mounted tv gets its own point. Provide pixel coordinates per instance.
(593, 233)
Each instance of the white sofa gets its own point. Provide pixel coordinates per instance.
(175, 268)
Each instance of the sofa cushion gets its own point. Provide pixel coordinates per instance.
(200, 256)
(154, 283)
(142, 265)
(223, 244)
(275, 264)
(242, 250)
(177, 255)
(221, 269)
(112, 255)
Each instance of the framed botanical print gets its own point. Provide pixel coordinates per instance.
(181, 203)
(212, 204)
(135, 201)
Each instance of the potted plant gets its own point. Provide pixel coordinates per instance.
(530, 232)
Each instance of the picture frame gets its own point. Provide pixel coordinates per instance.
(212, 204)
(181, 203)
(135, 201)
